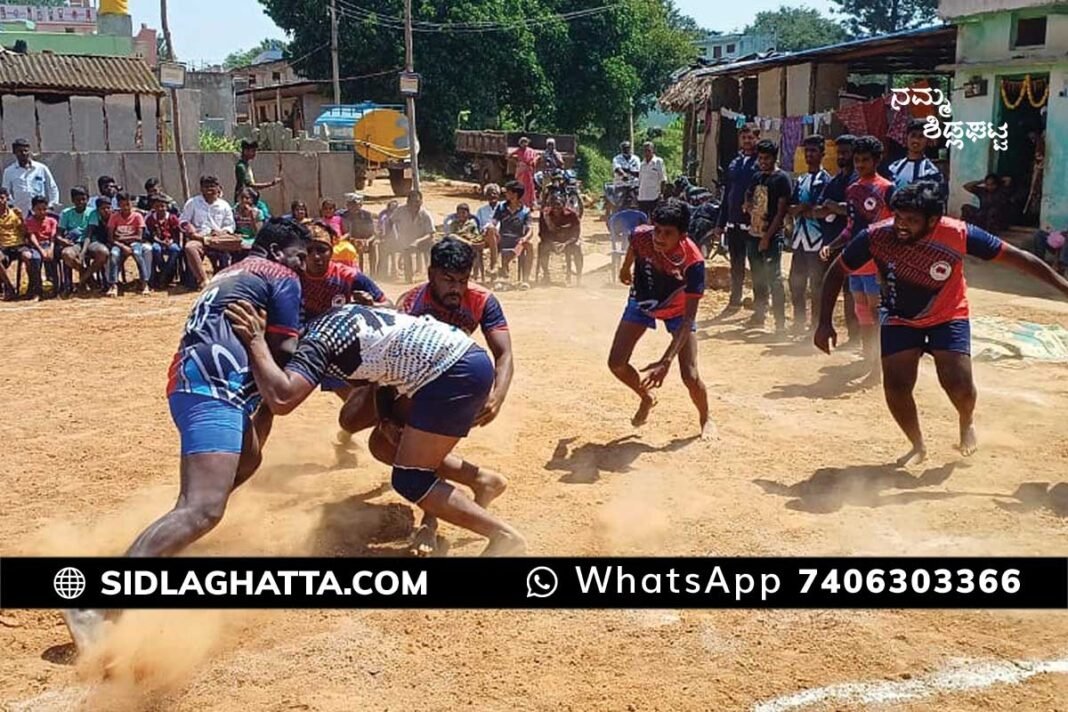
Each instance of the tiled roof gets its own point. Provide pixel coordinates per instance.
(75, 74)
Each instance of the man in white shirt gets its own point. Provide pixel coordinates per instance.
(651, 179)
(207, 221)
(415, 231)
(625, 166)
(492, 193)
(26, 178)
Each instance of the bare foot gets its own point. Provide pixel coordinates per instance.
(424, 541)
(505, 544)
(916, 456)
(969, 443)
(488, 486)
(640, 418)
(709, 432)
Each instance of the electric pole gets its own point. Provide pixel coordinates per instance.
(176, 116)
(413, 139)
(333, 51)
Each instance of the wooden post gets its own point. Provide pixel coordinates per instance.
(176, 115)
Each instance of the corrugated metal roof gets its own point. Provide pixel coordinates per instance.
(45, 72)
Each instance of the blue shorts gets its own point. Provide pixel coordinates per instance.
(208, 424)
(330, 384)
(866, 283)
(634, 314)
(955, 335)
(449, 404)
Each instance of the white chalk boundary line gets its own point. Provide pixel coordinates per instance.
(959, 676)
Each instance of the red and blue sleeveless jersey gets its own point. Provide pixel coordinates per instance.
(663, 282)
(479, 309)
(211, 360)
(868, 201)
(335, 288)
(923, 281)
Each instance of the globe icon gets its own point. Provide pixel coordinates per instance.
(69, 583)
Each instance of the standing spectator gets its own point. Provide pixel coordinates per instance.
(651, 179)
(768, 199)
(126, 230)
(625, 166)
(732, 217)
(514, 230)
(12, 243)
(415, 231)
(208, 224)
(26, 178)
(243, 177)
(41, 235)
(806, 269)
(165, 235)
(526, 158)
(73, 236)
(834, 211)
(550, 162)
(995, 197)
(916, 166)
(109, 189)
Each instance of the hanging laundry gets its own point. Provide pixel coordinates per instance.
(792, 132)
(875, 115)
(899, 124)
(854, 119)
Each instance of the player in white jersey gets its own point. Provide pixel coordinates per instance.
(444, 373)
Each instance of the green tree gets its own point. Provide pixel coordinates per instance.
(797, 28)
(541, 73)
(878, 17)
(243, 58)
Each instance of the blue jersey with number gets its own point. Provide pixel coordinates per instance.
(211, 360)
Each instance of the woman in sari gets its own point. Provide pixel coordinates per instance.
(526, 158)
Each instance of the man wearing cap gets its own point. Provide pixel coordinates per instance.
(243, 170)
(359, 227)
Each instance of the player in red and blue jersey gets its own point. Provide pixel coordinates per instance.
(666, 274)
(920, 256)
(213, 397)
(327, 284)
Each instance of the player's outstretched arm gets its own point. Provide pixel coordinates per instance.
(281, 390)
(1029, 264)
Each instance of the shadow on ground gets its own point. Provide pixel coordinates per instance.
(584, 464)
(836, 381)
(829, 489)
(354, 526)
(1039, 496)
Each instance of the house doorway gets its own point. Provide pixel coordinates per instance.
(1022, 102)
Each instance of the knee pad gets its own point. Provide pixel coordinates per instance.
(413, 483)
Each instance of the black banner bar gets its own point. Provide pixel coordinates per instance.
(533, 583)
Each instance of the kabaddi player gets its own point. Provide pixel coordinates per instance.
(667, 282)
(449, 297)
(213, 397)
(446, 375)
(920, 256)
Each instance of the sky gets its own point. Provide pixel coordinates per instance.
(208, 30)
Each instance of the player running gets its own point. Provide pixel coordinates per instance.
(449, 297)
(213, 397)
(667, 282)
(447, 376)
(920, 255)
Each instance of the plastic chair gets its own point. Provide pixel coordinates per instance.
(620, 227)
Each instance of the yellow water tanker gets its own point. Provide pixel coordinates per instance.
(381, 136)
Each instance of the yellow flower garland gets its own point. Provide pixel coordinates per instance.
(1031, 95)
(1026, 90)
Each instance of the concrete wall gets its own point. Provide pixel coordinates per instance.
(20, 120)
(55, 126)
(82, 123)
(307, 176)
(769, 99)
(216, 96)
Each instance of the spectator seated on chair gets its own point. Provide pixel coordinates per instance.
(560, 232)
(13, 246)
(164, 233)
(207, 222)
(328, 214)
(126, 230)
(298, 211)
(514, 232)
(492, 193)
(414, 226)
(152, 189)
(248, 218)
(97, 251)
(620, 227)
(75, 224)
(41, 231)
(358, 230)
(466, 227)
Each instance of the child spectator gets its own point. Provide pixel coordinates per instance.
(328, 214)
(248, 217)
(125, 233)
(152, 189)
(41, 235)
(13, 243)
(108, 189)
(73, 235)
(97, 252)
(163, 231)
(298, 210)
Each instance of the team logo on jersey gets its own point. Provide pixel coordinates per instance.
(941, 270)
(870, 202)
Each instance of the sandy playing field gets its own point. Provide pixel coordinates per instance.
(90, 457)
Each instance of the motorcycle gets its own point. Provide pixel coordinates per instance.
(704, 215)
(563, 183)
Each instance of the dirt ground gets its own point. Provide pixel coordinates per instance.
(91, 457)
